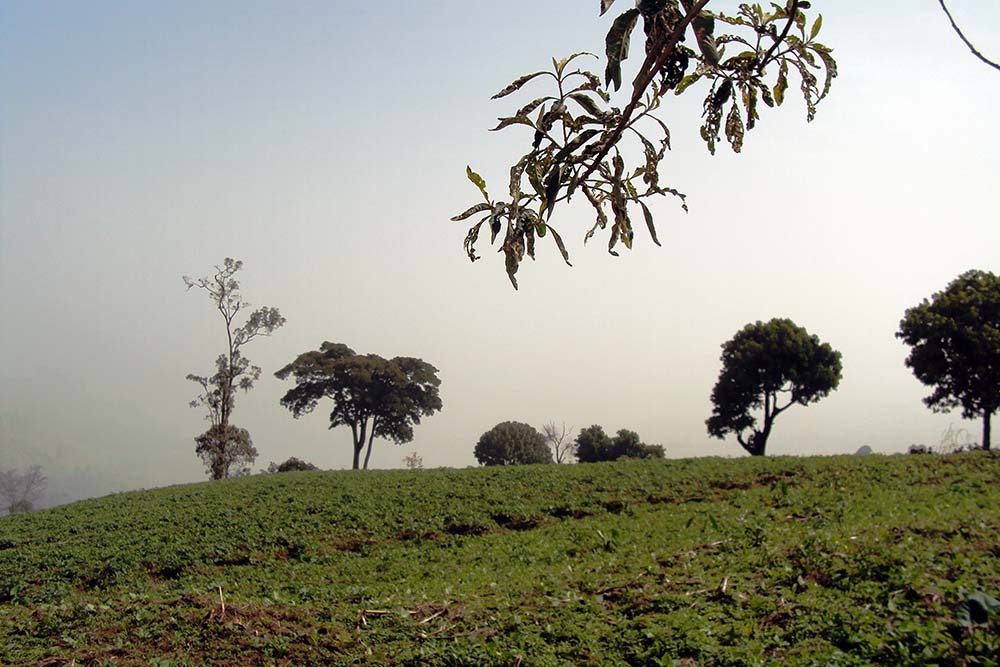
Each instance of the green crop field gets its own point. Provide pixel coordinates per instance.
(780, 561)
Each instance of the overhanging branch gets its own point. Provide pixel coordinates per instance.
(958, 30)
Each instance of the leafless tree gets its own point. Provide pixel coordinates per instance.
(19, 491)
(555, 438)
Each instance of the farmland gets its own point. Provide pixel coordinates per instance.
(790, 561)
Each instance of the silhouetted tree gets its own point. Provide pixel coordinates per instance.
(291, 465)
(376, 397)
(769, 367)
(555, 438)
(593, 445)
(19, 491)
(955, 341)
(512, 443)
(222, 445)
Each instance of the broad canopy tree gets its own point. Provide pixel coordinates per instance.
(20, 491)
(769, 367)
(226, 449)
(583, 144)
(512, 443)
(376, 397)
(955, 346)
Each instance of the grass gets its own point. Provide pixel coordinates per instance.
(781, 561)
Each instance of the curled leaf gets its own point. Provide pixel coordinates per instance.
(478, 208)
(517, 84)
(616, 46)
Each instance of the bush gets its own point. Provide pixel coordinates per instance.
(593, 445)
(512, 443)
(291, 465)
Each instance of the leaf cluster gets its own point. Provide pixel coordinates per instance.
(581, 142)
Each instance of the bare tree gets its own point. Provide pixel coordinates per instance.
(224, 445)
(555, 438)
(19, 491)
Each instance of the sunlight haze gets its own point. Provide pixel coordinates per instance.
(325, 145)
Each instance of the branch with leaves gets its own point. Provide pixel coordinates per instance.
(582, 143)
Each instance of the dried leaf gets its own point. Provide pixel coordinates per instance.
(588, 104)
(518, 83)
(512, 120)
(734, 128)
(606, 5)
(560, 245)
(616, 45)
(649, 222)
(478, 208)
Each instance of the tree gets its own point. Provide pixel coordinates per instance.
(593, 445)
(581, 141)
(512, 443)
(223, 445)
(769, 367)
(376, 397)
(955, 341)
(413, 461)
(555, 438)
(291, 465)
(19, 491)
(226, 450)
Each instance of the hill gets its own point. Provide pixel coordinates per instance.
(813, 561)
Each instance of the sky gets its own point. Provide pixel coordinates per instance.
(324, 144)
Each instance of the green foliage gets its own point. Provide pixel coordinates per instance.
(769, 367)
(291, 464)
(227, 451)
(955, 346)
(780, 561)
(221, 445)
(581, 142)
(376, 397)
(512, 443)
(593, 445)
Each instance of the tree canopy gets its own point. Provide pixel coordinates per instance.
(769, 367)
(512, 443)
(593, 445)
(955, 346)
(19, 491)
(583, 144)
(376, 397)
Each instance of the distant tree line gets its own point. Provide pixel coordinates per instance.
(767, 367)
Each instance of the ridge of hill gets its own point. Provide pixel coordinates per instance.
(791, 561)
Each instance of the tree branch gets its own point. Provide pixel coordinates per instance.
(784, 33)
(967, 42)
(649, 69)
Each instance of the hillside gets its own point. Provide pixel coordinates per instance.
(813, 561)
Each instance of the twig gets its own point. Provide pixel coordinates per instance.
(781, 38)
(433, 616)
(967, 42)
(222, 602)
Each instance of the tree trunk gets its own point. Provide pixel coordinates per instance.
(359, 443)
(986, 428)
(371, 437)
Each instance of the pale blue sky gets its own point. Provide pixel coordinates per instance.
(325, 145)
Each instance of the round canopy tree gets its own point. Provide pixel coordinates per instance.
(512, 443)
(955, 341)
(769, 367)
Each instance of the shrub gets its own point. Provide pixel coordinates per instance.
(512, 443)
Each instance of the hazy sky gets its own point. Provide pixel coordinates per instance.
(325, 145)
